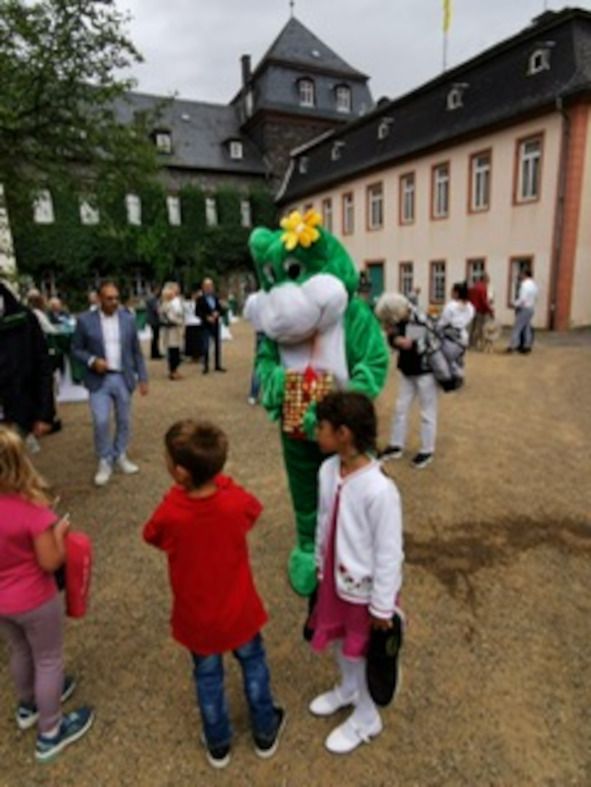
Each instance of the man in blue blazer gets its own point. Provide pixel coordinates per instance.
(106, 342)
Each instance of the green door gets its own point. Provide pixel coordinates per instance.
(376, 279)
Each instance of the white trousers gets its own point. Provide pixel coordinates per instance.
(425, 387)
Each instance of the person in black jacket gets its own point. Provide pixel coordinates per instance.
(26, 377)
(209, 310)
(407, 335)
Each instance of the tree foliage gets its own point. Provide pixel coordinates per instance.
(60, 62)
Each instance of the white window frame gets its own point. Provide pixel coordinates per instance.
(455, 99)
(327, 213)
(475, 270)
(249, 103)
(348, 202)
(43, 211)
(375, 206)
(529, 169)
(211, 212)
(173, 208)
(133, 205)
(539, 60)
(441, 178)
(236, 149)
(384, 127)
(407, 197)
(303, 165)
(89, 213)
(437, 281)
(344, 100)
(406, 277)
(307, 92)
(336, 150)
(245, 213)
(480, 181)
(163, 141)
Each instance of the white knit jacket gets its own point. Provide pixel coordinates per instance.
(368, 546)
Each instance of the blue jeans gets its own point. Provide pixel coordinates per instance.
(211, 698)
(112, 393)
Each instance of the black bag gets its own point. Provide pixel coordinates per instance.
(383, 656)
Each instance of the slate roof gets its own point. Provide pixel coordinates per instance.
(298, 46)
(199, 132)
(497, 91)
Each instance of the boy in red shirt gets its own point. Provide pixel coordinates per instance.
(202, 525)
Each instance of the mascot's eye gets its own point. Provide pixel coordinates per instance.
(293, 268)
(269, 273)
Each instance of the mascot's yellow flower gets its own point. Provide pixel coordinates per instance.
(300, 229)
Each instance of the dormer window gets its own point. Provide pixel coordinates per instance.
(249, 103)
(384, 127)
(303, 165)
(343, 97)
(455, 97)
(236, 149)
(539, 60)
(337, 149)
(307, 92)
(163, 141)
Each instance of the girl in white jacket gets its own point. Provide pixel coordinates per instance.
(359, 560)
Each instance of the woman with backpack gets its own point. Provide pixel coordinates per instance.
(407, 333)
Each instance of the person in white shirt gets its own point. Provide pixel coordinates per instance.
(106, 343)
(359, 560)
(522, 336)
(458, 313)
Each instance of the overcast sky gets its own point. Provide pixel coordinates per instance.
(193, 47)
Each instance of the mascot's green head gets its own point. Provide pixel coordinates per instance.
(298, 251)
(306, 275)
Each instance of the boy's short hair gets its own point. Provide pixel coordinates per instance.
(353, 410)
(199, 447)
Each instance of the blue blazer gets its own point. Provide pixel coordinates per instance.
(88, 342)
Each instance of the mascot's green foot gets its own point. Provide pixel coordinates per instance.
(302, 571)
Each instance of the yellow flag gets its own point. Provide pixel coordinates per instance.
(446, 15)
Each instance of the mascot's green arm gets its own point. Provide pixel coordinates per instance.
(367, 352)
(271, 375)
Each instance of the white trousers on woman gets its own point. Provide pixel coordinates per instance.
(425, 387)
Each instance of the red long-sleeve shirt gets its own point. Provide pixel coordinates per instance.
(478, 297)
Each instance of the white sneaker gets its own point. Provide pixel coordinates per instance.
(103, 473)
(251, 400)
(350, 734)
(330, 702)
(127, 467)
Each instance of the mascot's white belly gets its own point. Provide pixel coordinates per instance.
(306, 321)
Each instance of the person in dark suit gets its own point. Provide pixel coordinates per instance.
(26, 374)
(153, 319)
(209, 310)
(106, 343)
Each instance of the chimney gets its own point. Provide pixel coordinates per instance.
(246, 72)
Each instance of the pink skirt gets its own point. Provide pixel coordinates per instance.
(333, 618)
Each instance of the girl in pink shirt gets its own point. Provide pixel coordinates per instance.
(32, 548)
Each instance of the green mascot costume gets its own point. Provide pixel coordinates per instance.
(318, 336)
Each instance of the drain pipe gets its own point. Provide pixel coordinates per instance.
(559, 213)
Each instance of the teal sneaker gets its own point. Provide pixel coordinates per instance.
(73, 726)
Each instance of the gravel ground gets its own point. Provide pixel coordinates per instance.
(496, 687)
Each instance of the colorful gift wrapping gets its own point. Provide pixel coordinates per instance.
(301, 390)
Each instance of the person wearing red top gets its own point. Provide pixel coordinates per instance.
(202, 525)
(478, 297)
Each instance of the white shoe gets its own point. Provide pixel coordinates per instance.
(127, 467)
(350, 734)
(251, 400)
(103, 473)
(330, 702)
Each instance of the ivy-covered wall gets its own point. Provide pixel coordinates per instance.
(76, 253)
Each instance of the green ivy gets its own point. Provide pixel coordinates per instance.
(75, 252)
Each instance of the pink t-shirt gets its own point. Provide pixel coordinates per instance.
(23, 583)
